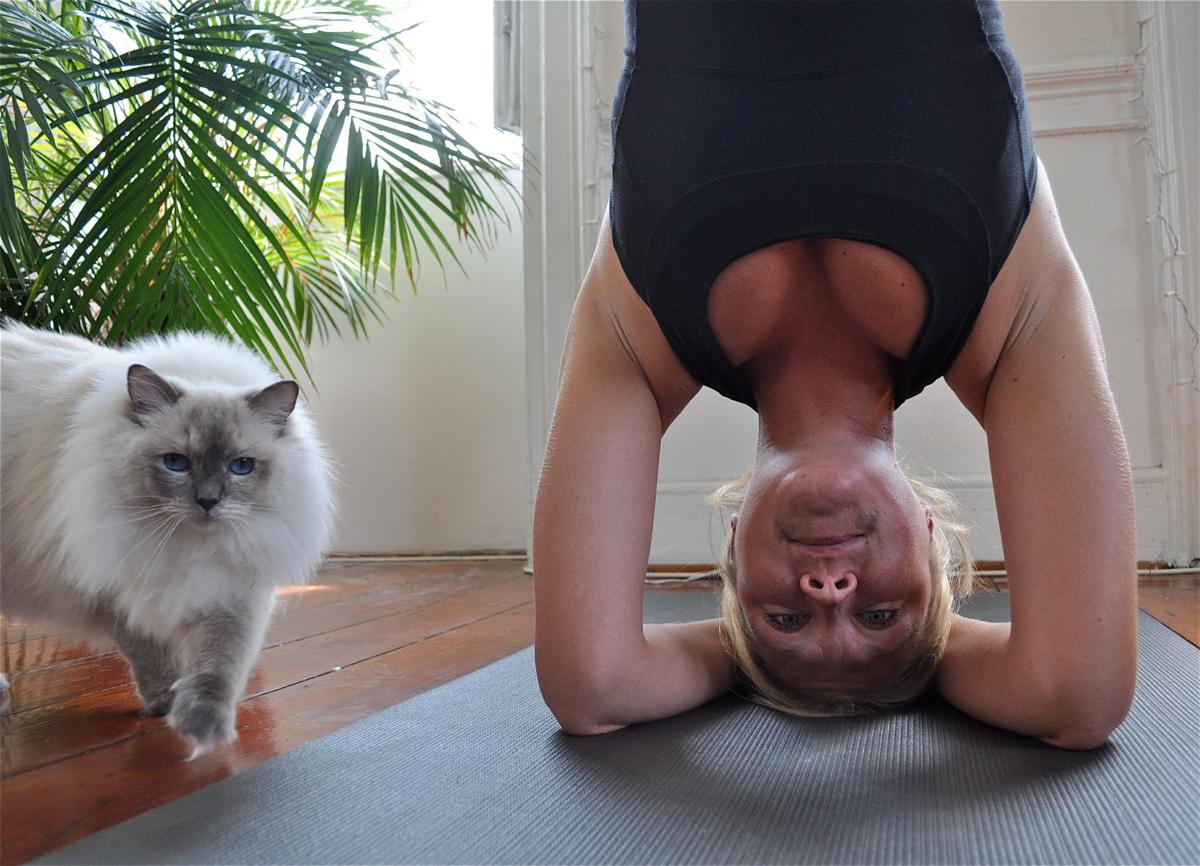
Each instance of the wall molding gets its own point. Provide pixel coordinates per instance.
(1083, 97)
(1177, 279)
(687, 529)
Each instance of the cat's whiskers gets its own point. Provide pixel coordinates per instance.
(165, 507)
(152, 501)
(245, 542)
(277, 526)
(126, 522)
(136, 513)
(130, 520)
(147, 570)
(159, 538)
(150, 534)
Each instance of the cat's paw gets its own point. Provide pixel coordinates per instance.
(157, 703)
(202, 719)
(156, 689)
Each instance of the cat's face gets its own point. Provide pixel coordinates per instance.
(204, 458)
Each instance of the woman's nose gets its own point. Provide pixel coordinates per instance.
(829, 589)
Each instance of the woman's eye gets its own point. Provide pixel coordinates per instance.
(242, 466)
(786, 621)
(176, 462)
(878, 618)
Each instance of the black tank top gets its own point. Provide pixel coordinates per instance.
(738, 124)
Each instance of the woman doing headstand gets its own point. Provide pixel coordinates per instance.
(818, 209)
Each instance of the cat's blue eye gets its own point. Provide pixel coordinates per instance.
(242, 466)
(176, 462)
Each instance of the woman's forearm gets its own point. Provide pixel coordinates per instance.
(984, 673)
(688, 666)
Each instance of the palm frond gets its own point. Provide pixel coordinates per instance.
(36, 56)
(174, 166)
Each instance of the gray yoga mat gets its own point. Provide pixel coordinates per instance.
(476, 771)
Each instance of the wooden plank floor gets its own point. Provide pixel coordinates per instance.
(1175, 602)
(362, 637)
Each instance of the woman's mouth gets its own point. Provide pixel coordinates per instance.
(827, 543)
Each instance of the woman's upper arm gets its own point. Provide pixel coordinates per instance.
(1064, 497)
(594, 513)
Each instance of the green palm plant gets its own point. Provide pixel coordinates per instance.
(240, 166)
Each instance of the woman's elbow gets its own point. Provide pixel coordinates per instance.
(1087, 724)
(581, 702)
(583, 725)
(579, 718)
(1082, 738)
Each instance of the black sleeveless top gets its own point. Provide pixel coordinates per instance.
(742, 123)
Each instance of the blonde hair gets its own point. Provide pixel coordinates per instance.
(951, 576)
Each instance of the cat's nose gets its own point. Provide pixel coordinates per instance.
(206, 503)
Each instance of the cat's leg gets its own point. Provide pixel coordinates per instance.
(155, 667)
(5, 694)
(219, 650)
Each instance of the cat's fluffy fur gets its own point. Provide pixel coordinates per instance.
(178, 567)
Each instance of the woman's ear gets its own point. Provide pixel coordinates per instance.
(929, 519)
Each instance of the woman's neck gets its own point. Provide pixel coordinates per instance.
(813, 401)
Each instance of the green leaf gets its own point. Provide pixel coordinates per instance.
(18, 145)
(183, 171)
(329, 138)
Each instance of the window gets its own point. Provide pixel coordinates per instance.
(452, 50)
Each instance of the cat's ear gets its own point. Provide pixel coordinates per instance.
(276, 401)
(148, 391)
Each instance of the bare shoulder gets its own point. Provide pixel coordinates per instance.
(614, 319)
(1048, 410)
(1040, 271)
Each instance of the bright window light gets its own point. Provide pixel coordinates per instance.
(452, 62)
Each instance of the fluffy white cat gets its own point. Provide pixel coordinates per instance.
(157, 494)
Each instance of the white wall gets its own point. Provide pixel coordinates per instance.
(1078, 82)
(1056, 32)
(1093, 134)
(426, 417)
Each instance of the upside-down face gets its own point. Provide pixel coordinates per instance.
(832, 558)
